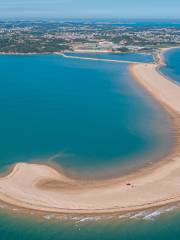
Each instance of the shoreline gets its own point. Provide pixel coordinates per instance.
(49, 190)
(160, 55)
(162, 63)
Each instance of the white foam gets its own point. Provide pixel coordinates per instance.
(16, 209)
(128, 215)
(144, 215)
(3, 206)
(48, 217)
(158, 212)
(89, 219)
(139, 215)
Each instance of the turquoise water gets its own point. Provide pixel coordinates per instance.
(84, 116)
(166, 227)
(133, 57)
(172, 67)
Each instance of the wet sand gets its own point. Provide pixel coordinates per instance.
(44, 188)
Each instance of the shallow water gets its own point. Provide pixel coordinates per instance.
(85, 116)
(157, 224)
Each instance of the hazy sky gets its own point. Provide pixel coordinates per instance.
(90, 8)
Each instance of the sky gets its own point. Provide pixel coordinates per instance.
(90, 8)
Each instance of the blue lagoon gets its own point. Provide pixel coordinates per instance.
(91, 119)
(79, 114)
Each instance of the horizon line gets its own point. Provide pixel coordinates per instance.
(92, 18)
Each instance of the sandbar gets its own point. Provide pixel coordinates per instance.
(43, 188)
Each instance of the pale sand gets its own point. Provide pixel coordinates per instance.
(43, 188)
(164, 90)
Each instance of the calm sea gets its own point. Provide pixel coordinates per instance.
(83, 116)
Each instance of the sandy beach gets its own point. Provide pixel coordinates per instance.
(44, 188)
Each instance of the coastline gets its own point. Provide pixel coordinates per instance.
(160, 55)
(49, 190)
(162, 63)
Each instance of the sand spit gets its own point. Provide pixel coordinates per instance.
(162, 89)
(43, 188)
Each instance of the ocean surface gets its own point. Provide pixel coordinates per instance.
(172, 67)
(85, 116)
(159, 224)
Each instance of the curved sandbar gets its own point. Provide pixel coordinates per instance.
(43, 188)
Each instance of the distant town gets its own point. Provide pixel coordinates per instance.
(52, 36)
